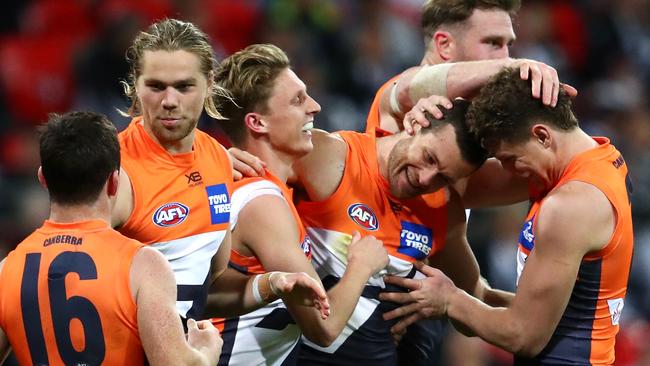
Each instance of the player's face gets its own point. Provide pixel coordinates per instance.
(172, 92)
(425, 163)
(289, 115)
(487, 34)
(529, 160)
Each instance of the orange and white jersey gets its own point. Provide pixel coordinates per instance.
(587, 331)
(411, 230)
(181, 206)
(66, 297)
(268, 335)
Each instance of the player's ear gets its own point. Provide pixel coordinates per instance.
(255, 123)
(542, 134)
(112, 184)
(443, 42)
(41, 177)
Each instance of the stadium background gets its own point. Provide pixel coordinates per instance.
(57, 55)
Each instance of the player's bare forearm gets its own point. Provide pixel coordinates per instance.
(231, 294)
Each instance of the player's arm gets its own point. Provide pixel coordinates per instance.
(233, 293)
(462, 79)
(161, 332)
(575, 220)
(366, 257)
(458, 262)
(319, 173)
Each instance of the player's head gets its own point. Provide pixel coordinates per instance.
(437, 156)
(79, 153)
(516, 128)
(468, 30)
(267, 100)
(170, 79)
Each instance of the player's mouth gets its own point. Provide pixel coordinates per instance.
(307, 127)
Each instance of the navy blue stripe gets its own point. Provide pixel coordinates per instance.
(372, 343)
(571, 340)
(228, 335)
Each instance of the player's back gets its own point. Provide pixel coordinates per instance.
(65, 297)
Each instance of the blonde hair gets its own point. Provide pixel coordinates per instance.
(248, 75)
(171, 35)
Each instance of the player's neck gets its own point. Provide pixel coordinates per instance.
(570, 145)
(66, 214)
(430, 58)
(384, 146)
(277, 162)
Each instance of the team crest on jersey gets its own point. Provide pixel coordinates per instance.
(363, 216)
(526, 237)
(306, 246)
(415, 240)
(219, 201)
(170, 214)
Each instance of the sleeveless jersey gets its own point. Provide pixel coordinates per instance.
(181, 207)
(587, 330)
(269, 335)
(66, 297)
(411, 230)
(373, 121)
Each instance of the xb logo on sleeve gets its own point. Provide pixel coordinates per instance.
(415, 240)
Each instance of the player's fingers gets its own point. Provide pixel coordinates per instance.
(571, 91)
(403, 282)
(401, 325)
(550, 83)
(536, 80)
(191, 324)
(425, 269)
(524, 70)
(402, 311)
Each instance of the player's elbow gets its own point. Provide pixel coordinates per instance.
(321, 337)
(526, 343)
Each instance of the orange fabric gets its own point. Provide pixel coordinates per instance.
(109, 292)
(604, 168)
(157, 177)
(363, 202)
(252, 263)
(373, 123)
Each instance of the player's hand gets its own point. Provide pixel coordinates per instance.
(204, 337)
(426, 298)
(245, 164)
(368, 253)
(545, 83)
(416, 115)
(300, 288)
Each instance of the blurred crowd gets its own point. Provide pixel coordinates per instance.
(57, 55)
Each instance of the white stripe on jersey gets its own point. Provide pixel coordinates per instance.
(190, 259)
(330, 253)
(246, 193)
(365, 308)
(255, 345)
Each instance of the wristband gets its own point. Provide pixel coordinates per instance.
(394, 104)
(256, 291)
(273, 289)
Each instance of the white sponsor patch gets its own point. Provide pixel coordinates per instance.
(615, 309)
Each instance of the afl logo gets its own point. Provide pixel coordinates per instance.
(363, 216)
(170, 214)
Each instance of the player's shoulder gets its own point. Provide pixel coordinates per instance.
(574, 211)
